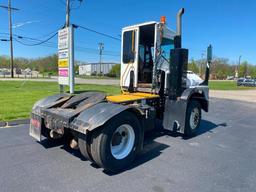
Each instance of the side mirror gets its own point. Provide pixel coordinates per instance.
(209, 61)
(209, 54)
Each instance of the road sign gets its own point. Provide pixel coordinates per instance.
(63, 54)
(63, 72)
(63, 37)
(66, 57)
(63, 63)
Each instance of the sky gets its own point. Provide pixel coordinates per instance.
(229, 25)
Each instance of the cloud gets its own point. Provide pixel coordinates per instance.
(21, 24)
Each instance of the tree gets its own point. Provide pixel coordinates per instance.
(242, 71)
(115, 71)
(192, 66)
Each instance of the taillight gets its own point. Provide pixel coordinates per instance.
(35, 123)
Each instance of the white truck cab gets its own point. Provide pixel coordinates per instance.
(145, 48)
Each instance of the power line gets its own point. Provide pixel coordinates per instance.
(30, 40)
(50, 33)
(77, 48)
(6, 7)
(97, 32)
(46, 43)
(39, 43)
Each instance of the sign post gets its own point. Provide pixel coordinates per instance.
(66, 58)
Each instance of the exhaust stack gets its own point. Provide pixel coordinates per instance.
(177, 40)
(178, 21)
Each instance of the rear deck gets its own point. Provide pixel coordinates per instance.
(127, 97)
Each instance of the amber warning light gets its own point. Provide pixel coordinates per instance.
(163, 19)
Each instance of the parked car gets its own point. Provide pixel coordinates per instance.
(230, 78)
(249, 83)
(240, 81)
(193, 79)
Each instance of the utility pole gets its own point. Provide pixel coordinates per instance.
(67, 13)
(10, 28)
(9, 8)
(239, 61)
(66, 25)
(101, 47)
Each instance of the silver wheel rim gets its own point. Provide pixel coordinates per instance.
(122, 141)
(194, 118)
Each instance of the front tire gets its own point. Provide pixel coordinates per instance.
(116, 145)
(193, 118)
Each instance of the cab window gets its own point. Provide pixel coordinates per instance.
(128, 46)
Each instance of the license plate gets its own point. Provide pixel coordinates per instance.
(35, 127)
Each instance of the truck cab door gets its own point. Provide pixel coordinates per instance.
(129, 58)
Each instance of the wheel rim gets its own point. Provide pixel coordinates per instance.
(194, 118)
(122, 141)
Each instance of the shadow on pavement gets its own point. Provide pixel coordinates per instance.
(50, 143)
(205, 126)
(152, 149)
(208, 126)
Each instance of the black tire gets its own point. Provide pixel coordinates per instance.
(102, 140)
(84, 149)
(190, 128)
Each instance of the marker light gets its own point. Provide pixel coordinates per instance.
(163, 19)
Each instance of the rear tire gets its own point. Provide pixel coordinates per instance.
(193, 118)
(116, 145)
(84, 149)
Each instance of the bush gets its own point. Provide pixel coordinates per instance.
(115, 71)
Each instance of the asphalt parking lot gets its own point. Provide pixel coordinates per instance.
(222, 157)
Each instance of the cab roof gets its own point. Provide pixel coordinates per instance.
(170, 32)
(140, 24)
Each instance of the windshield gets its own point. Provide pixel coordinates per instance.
(166, 46)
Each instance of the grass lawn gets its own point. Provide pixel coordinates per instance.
(96, 77)
(226, 85)
(18, 97)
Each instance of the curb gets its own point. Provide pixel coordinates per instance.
(14, 122)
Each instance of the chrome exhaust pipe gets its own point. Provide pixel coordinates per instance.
(177, 39)
(178, 21)
(73, 144)
(56, 133)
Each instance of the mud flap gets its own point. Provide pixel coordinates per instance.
(35, 129)
(175, 115)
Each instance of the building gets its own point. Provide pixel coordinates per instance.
(95, 68)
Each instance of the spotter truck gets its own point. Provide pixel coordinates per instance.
(109, 130)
